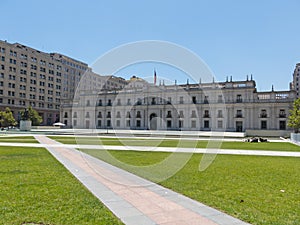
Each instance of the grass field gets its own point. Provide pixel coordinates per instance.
(259, 190)
(18, 139)
(35, 188)
(272, 146)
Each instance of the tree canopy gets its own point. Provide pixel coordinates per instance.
(294, 118)
(31, 114)
(6, 118)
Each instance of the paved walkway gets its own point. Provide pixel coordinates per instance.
(158, 149)
(134, 200)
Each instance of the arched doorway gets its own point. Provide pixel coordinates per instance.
(153, 121)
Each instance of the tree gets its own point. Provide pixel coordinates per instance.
(31, 114)
(294, 118)
(7, 119)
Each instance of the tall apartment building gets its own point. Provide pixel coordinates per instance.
(296, 80)
(29, 77)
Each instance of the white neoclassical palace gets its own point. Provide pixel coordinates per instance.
(216, 106)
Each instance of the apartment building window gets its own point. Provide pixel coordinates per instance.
(33, 59)
(50, 99)
(11, 85)
(239, 98)
(2, 67)
(99, 102)
(1, 100)
(42, 90)
(1, 75)
(50, 92)
(2, 50)
(10, 101)
(11, 93)
(1, 83)
(33, 89)
(13, 53)
(263, 124)
(23, 64)
(32, 81)
(42, 83)
(138, 123)
(22, 87)
(50, 78)
(32, 104)
(22, 95)
(75, 115)
(23, 56)
(24, 72)
(21, 102)
(42, 98)
(128, 115)
(11, 77)
(1, 92)
(220, 99)
(23, 79)
(109, 102)
(58, 87)
(42, 69)
(128, 101)
(181, 114)
(87, 115)
(12, 61)
(12, 69)
(33, 67)
(32, 74)
(2, 58)
(138, 114)
(118, 114)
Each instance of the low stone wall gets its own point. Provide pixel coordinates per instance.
(295, 138)
(268, 133)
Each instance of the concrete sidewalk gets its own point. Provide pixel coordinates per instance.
(134, 200)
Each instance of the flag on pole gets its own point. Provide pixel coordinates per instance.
(154, 77)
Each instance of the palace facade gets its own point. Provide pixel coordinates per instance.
(217, 106)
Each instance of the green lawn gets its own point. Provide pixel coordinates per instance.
(36, 188)
(272, 146)
(18, 139)
(246, 187)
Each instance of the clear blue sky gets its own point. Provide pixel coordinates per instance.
(233, 37)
